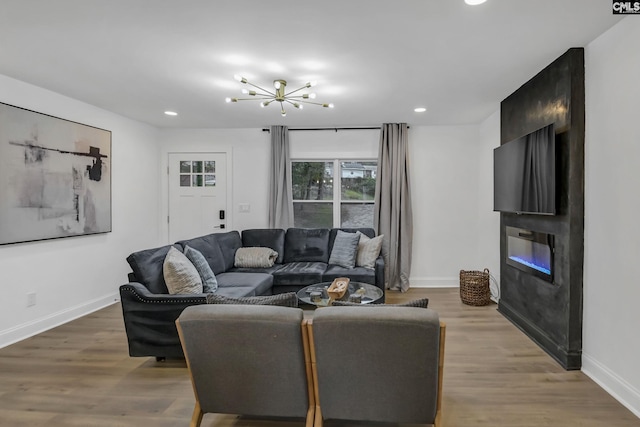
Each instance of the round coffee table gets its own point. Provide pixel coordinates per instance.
(368, 293)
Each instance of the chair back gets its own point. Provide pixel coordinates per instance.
(377, 364)
(247, 359)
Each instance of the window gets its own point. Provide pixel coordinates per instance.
(317, 202)
(197, 173)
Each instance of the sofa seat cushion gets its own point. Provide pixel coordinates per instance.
(299, 273)
(267, 270)
(357, 274)
(260, 282)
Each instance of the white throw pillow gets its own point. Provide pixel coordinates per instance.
(368, 250)
(180, 274)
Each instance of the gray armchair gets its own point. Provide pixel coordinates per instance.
(248, 359)
(377, 364)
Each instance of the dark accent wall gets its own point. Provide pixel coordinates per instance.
(551, 313)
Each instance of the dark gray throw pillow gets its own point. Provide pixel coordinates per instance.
(421, 303)
(209, 281)
(345, 249)
(287, 299)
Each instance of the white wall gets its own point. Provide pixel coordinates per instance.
(452, 192)
(611, 347)
(74, 276)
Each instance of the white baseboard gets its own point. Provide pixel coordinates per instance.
(617, 387)
(34, 327)
(434, 282)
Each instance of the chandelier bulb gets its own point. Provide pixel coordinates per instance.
(311, 83)
(283, 113)
(227, 99)
(276, 84)
(240, 78)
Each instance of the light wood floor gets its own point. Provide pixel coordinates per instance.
(80, 374)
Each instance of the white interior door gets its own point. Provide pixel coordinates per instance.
(197, 194)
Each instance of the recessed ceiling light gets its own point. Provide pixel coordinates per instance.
(474, 2)
(171, 113)
(420, 110)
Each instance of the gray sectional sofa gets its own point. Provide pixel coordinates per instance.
(303, 259)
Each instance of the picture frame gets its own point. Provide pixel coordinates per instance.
(55, 177)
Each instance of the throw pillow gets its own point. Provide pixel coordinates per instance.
(255, 257)
(180, 274)
(368, 250)
(209, 281)
(288, 299)
(344, 249)
(421, 303)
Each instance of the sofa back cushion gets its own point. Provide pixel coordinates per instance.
(147, 268)
(306, 245)
(265, 238)
(208, 246)
(229, 243)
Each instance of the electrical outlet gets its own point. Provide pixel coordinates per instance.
(31, 299)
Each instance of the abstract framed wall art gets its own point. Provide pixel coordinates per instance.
(55, 177)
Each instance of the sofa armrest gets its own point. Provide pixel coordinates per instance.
(140, 293)
(149, 320)
(379, 274)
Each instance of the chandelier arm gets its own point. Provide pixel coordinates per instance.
(262, 89)
(311, 102)
(253, 98)
(297, 90)
(282, 111)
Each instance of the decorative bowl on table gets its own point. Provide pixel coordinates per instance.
(338, 287)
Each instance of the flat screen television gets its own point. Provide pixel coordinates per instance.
(524, 174)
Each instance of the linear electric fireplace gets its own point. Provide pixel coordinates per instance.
(531, 252)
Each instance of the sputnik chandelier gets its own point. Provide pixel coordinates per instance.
(280, 96)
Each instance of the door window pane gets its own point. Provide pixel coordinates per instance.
(197, 167)
(196, 181)
(312, 180)
(185, 166)
(209, 180)
(185, 180)
(313, 215)
(210, 166)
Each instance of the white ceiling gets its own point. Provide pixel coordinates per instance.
(375, 60)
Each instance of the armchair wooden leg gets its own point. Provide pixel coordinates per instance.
(318, 419)
(438, 420)
(196, 418)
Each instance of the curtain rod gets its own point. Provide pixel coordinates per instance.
(334, 129)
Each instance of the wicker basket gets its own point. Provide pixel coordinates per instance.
(474, 287)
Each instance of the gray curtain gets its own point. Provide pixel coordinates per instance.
(393, 216)
(280, 199)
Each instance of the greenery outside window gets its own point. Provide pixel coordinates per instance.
(333, 193)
